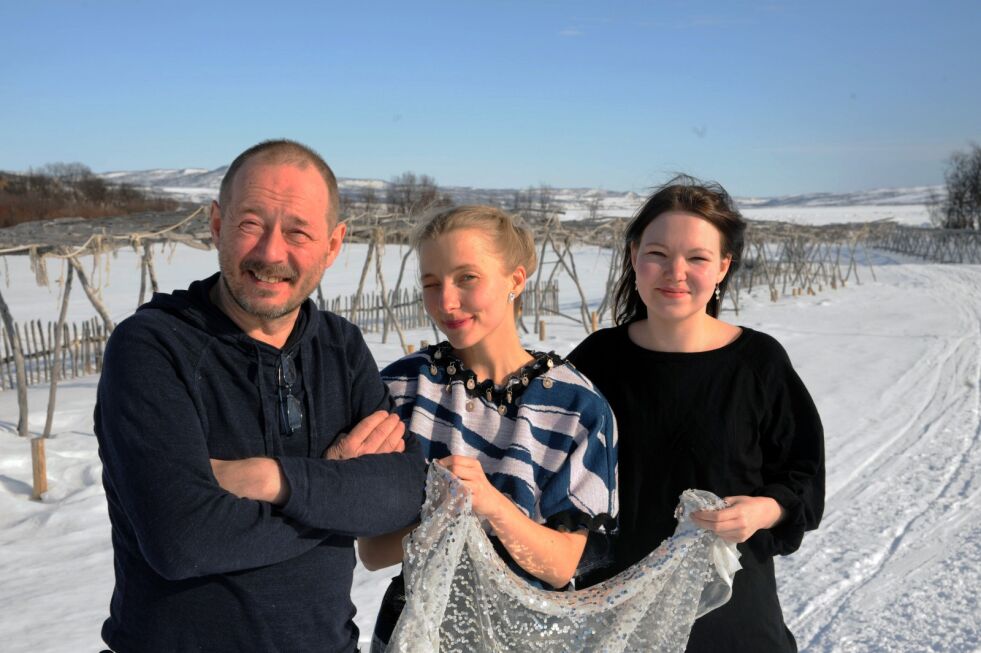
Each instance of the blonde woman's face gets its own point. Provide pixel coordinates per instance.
(465, 287)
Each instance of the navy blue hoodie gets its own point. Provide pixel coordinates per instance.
(198, 569)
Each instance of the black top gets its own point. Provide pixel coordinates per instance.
(735, 421)
(198, 569)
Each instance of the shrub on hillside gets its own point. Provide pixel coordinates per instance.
(61, 190)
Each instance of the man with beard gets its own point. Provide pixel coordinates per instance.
(234, 493)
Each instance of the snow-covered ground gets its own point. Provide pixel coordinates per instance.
(893, 364)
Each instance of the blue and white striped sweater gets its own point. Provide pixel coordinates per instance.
(553, 452)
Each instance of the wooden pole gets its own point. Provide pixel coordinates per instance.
(40, 467)
(380, 239)
(18, 351)
(148, 258)
(93, 294)
(40, 358)
(356, 300)
(541, 265)
(75, 350)
(541, 329)
(139, 301)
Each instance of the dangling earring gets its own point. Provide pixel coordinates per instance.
(511, 297)
(718, 293)
(636, 287)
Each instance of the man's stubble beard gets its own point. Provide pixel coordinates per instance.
(246, 303)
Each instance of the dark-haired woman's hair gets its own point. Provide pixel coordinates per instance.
(709, 201)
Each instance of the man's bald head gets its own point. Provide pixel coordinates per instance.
(284, 152)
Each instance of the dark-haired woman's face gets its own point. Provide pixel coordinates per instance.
(678, 263)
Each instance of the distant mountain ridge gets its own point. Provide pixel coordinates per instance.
(200, 185)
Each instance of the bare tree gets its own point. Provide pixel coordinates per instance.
(961, 208)
(68, 172)
(369, 199)
(593, 206)
(545, 201)
(409, 194)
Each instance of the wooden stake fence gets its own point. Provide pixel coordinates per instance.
(369, 313)
(80, 351)
(938, 245)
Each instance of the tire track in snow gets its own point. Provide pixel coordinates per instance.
(877, 523)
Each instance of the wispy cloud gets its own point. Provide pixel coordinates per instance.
(571, 32)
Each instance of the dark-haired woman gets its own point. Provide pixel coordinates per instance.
(706, 404)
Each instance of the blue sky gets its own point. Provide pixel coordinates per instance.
(768, 98)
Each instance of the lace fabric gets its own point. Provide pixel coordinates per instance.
(462, 597)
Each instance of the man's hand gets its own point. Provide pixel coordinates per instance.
(744, 516)
(379, 432)
(260, 479)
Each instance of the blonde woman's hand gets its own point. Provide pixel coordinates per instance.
(485, 498)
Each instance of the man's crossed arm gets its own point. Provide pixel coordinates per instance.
(262, 479)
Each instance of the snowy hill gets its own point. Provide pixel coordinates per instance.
(875, 197)
(200, 185)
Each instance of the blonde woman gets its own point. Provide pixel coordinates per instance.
(525, 432)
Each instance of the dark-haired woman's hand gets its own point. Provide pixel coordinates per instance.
(744, 516)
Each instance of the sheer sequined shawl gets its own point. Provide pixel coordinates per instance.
(462, 597)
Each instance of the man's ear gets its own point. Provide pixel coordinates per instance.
(215, 223)
(334, 241)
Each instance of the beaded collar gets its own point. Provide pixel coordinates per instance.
(443, 359)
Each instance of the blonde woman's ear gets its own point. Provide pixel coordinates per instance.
(519, 277)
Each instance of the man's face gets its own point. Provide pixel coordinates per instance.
(274, 241)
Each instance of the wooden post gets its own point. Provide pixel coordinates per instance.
(39, 464)
(19, 365)
(93, 294)
(25, 348)
(41, 350)
(594, 320)
(541, 329)
(8, 357)
(139, 300)
(100, 347)
(388, 313)
(148, 258)
(57, 345)
(85, 348)
(75, 350)
(409, 348)
(356, 300)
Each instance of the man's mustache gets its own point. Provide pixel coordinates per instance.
(280, 271)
